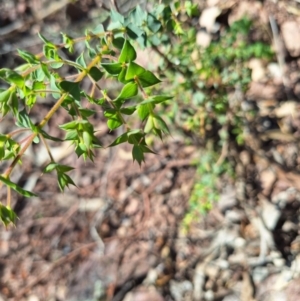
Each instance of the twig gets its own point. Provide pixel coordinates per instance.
(280, 57)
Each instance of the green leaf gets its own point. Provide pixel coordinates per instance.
(122, 74)
(80, 60)
(47, 136)
(121, 139)
(69, 125)
(7, 215)
(15, 78)
(128, 53)
(72, 88)
(85, 113)
(128, 111)
(138, 154)
(44, 39)
(144, 111)
(17, 188)
(156, 99)
(133, 31)
(50, 167)
(135, 137)
(114, 123)
(134, 70)
(153, 24)
(138, 15)
(149, 125)
(68, 41)
(63, 168)
(99, 29)
(71, 135)
(128, 91)
(118, 42)
(64, 180)
(3, 140)
(5, 95)
(116, 17)
(95, 73)
(112, 68)
(148, 79)
(28, 57)
(54, 87)
(159, 123)
(24, 121)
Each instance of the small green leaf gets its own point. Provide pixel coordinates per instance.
(116, 17)
(64, 180)
(138, 15)
(54, 87)
(114, 123)
(17, 188)
(72, 88)
(112, 68)
(128, 110)
(50, 167)
(15, 78)
(80, 60)
(63, 168)
(49, 137)
(118, 42)
(135, 137)
(122, 74)
(95, 73)
(144, 111)
(28, 57)
(5, 95)
(7, 215)
(133, 31)
(153, 24)
(24, 121)
(71, 135)
(127, 54)
(156, 99)
(121, 139)
(134, 70)
(85, 113)
(148, 79)
(149, 125)
(159, 123)
(99, 29)
(128, 91)
(138, 154)
(69, 125)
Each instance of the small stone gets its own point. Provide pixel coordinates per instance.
(279, 262)
(203, 39)
(209, 295)
(239, 243)
(259, 274)
(291, 35)
(208, 18)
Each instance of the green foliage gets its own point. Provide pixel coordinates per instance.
(200, 81)
(108, 53)
(204, 82)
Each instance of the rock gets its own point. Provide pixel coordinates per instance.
(203, 38)
(270, 214)
(180, 289)
(258, 70)
(208, 19)
(291, 35)
(259, 274)
(144, 294)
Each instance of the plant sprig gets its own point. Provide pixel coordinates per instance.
(108, 53)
